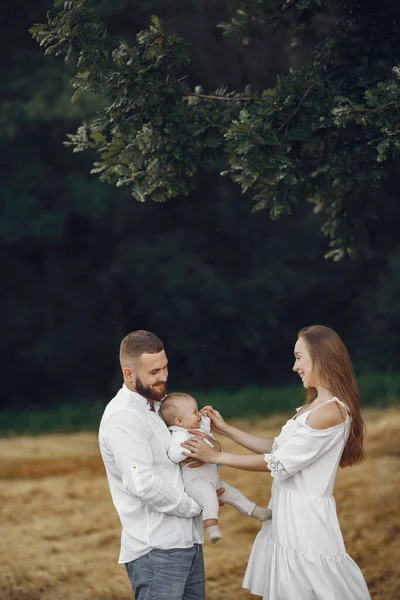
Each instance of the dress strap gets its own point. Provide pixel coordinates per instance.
(342, 404)
(334, 399)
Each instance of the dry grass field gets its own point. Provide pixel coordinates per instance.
(60, 533)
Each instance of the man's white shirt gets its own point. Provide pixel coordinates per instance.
(146, 487)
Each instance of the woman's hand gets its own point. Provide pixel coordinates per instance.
(215, 443)
(218, 425)
(199, 449)
(205, 409)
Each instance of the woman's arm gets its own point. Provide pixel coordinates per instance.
(255, 443)
(202, 451)
(246, 463)
(252, 442)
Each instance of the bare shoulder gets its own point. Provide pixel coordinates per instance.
(326, 416)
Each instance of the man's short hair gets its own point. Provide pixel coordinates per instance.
(137, 343)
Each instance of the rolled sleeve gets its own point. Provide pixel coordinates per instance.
(129, 440)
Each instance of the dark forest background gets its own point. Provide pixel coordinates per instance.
(226, 289)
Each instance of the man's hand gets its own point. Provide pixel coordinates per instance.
(194, 462)
(219, 493)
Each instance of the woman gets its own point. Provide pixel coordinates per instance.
(300, 554)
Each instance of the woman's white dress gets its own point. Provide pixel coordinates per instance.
(300, 554)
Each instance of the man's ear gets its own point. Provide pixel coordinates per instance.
(128, 374)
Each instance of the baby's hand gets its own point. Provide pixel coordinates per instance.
(206, 409)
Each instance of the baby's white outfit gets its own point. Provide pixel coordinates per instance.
(201, 483)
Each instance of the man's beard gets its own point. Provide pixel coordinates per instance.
(150, 392)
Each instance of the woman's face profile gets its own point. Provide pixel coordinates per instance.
(303, 364)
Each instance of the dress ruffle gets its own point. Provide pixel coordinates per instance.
(287, 574)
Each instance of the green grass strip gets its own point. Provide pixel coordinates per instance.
(376, 390)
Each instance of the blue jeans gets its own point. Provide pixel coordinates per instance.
(176, 574)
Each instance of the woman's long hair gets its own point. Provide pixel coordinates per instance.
(335, 371)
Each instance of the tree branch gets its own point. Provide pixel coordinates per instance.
(308, 90)
(371, 110)
(221, 98)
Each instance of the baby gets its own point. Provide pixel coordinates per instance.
(180, 413)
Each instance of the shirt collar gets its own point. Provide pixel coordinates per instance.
(134, 396)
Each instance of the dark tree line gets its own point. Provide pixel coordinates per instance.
(83, 263)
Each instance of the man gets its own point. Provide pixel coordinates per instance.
(161, 531)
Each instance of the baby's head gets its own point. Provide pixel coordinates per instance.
(180, 409)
